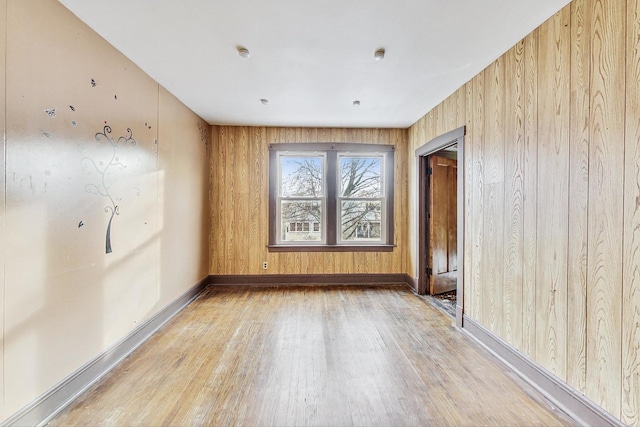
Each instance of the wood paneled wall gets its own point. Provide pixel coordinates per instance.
(239, 201)
(552, 197)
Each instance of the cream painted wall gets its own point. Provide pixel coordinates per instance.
(116, 143)
(183, 180)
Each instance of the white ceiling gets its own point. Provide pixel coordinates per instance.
(312, 59)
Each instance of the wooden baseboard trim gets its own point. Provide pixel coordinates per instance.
(44, 408)
(311, 279)
(567, 399)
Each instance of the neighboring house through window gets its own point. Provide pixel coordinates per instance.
(331, 197)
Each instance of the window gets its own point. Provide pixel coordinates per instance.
(331, 197)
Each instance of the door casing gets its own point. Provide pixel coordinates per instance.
(450, 138)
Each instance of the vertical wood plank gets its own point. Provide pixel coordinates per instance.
(469, 142)
(578, 195)
(513, 213)
(359, 262)
(437, 121)
(230, 202)
(214, 199)
(450, 108)
(530, 195)
(631, 285)
(606, 162)
(552, 209)
(461, 107)
(493, 249)
(337, 135)
(478, 197)
(256, 199)
(264, 202)
(241, 203)
(428, 126)
(223, 230)
(222, 236)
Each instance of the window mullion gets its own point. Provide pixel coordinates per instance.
(331, 182)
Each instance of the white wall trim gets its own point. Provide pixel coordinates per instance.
(48, 405)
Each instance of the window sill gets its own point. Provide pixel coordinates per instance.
(331, 248)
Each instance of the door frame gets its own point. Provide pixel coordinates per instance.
(450, 138)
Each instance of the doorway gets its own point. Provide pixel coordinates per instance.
(442, 173)
(440, 219)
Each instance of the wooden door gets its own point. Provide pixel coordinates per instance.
(443, 222)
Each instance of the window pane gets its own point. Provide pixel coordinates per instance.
(360, 177)
(301, 176)
(296, 217)
(361, 220)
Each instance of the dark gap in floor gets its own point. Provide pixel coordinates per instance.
(446, 301)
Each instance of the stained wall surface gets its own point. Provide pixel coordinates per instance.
(93, 232)
(552, 218)
(239, 204)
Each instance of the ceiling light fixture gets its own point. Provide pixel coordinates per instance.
(243, 52)
(264, 101)
(379, 55)
(356, 103)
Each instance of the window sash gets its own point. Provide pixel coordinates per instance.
(383, 221)
(363, 155)
(302, 155)
(330, 204)
(321, 202)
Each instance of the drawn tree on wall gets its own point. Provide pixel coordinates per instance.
(102, 164)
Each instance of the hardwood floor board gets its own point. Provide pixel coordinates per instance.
(335, 356)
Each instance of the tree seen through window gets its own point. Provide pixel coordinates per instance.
(331, 197)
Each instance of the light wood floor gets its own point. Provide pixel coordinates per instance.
(321, 356)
